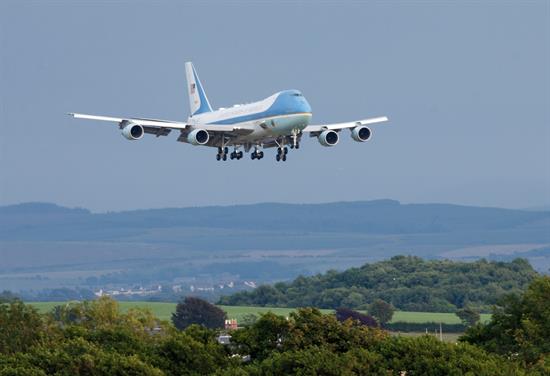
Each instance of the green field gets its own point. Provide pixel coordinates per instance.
(164, 310)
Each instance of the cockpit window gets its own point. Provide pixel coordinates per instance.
(297, 94)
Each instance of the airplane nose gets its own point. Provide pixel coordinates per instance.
(305, 107)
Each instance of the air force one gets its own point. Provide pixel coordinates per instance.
(277, 121)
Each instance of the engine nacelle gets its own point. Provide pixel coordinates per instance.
(328, 138)
(198, 137)
(361, 133)
(132, 131)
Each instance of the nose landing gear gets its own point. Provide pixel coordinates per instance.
(295, 141)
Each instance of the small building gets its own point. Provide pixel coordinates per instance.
(231, 324)
(224, 339)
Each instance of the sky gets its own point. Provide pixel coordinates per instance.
(466, 86)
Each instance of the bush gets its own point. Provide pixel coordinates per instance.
(343, 314)
(468, 316)
(194, 310)
(381, 310)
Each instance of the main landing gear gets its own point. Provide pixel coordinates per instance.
(222, 153)
(281, 154)
(282, 151)
(256, 154)
(236, 155)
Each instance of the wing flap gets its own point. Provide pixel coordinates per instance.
(157, 131)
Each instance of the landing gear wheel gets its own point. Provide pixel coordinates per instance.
(240, 154)
(224, 157)
(220, 151)
(297, 146)
(285, 150)
(253, 156)
(218, 157)
(261, 154)
(225, 150)
(284, 157)
(278, 157)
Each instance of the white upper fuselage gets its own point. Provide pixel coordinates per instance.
(280, 114)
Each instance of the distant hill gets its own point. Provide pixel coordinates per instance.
(48, 221)
(48, 246)
(409, 283)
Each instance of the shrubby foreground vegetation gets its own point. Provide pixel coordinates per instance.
(408, 283)
(94, 338)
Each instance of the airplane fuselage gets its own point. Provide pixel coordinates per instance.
(280, 114)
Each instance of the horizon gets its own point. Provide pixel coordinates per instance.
(541, 208)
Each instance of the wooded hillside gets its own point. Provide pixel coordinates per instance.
(409, 283)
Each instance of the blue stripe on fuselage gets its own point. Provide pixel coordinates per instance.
(287, 103)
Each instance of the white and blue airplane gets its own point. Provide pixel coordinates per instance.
(277, 121)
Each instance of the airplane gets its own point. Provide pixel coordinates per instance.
(276, 121)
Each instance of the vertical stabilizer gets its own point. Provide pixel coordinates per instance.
(198, 102)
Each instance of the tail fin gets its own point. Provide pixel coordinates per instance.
(198, 101)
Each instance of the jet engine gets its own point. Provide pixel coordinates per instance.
(133, 131)
(328, 138)
(361, 133)
(198, 137)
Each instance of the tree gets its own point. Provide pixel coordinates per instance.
(7, 296)
(183, 355)
(468, 316)
(194, 310)
(21, 327)
(262, 338)
(382, 310)
(519, 327)
(342, 314)
(248, 319)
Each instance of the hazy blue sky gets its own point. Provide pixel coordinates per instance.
(466, 85)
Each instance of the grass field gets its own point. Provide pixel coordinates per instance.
(164, 311)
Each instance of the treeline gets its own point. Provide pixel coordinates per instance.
(94, 338)
(409, 283)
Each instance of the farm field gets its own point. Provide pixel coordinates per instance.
(164, 311)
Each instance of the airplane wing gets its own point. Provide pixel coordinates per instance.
(159, 127)
(339, 126)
